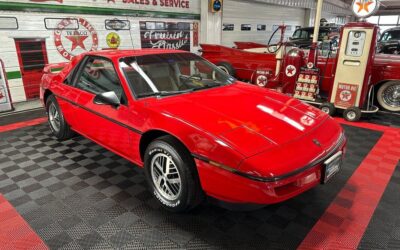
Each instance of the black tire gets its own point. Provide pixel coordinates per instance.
(64, 131)
(352, 114)
(328, 108)
(226, 67)
(190, 194)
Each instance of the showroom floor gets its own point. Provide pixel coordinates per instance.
(75, 194)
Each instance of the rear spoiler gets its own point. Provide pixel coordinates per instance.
(54, 67)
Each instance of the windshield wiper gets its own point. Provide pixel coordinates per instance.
(164, 93)
(207, 86)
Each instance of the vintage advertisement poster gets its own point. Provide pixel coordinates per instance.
(346, 95)
(165, 35)
(5, 101)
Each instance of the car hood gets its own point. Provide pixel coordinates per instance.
(248, 118)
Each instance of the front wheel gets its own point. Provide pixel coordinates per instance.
(389, 96)
(352, 114)
(171, 175)
(328, 108)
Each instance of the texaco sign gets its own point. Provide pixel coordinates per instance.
(73, 42)
(365, 8)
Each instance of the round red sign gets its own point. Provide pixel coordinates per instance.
(71, 40)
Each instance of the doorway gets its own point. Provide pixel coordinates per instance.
(32, 57)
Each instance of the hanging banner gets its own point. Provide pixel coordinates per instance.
(5, 100)
(195, 34)
(165, 35)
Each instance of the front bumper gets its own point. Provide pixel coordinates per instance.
(232, 187)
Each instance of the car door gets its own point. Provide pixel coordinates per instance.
(102, 123)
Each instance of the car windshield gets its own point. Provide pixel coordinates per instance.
(308, 34)
(391, 35)
(171, 74)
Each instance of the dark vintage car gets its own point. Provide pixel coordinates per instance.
(303, 37)
(389, 43)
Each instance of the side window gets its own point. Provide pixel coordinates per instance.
(99, 76)
(384, 37)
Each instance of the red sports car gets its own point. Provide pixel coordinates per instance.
(196, 130)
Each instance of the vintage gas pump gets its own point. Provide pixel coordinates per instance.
(352, 90)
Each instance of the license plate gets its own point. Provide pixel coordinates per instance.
(332, 166)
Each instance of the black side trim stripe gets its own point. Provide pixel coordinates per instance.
(101, 115)
(276, 178)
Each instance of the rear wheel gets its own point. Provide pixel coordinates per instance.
(171, 174)
(389, 96)
(227, 68)
(57, 123)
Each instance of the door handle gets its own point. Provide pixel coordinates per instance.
(351, 62)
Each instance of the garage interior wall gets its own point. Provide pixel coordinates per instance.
(271, 13)
(243, 13)
(35, 30)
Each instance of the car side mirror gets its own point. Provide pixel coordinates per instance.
(107, 98)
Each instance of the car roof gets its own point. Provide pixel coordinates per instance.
(116, 54)
(392, 29)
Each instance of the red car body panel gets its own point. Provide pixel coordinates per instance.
(251, 145)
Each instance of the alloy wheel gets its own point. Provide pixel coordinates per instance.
(54, 118)
(166, 177)
(391, 95)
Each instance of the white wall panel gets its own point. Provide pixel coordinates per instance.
(32, 25)
(254, 13)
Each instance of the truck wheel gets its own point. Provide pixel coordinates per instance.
(227, 68)
(172, 175)
(352, 114)
(389, 96)
(328, 108)
(57, 123)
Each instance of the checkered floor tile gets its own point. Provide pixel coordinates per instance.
(384, 118)
(383, 231)
(78, 195)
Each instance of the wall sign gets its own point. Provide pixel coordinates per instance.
(5, 100)
(73, 42)
(365, 8)
(216, 5)
(117, 24)
(8, 23)
(346, 95)
(113, 40)
(173, 36)
(51, 23)
(178, 6)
